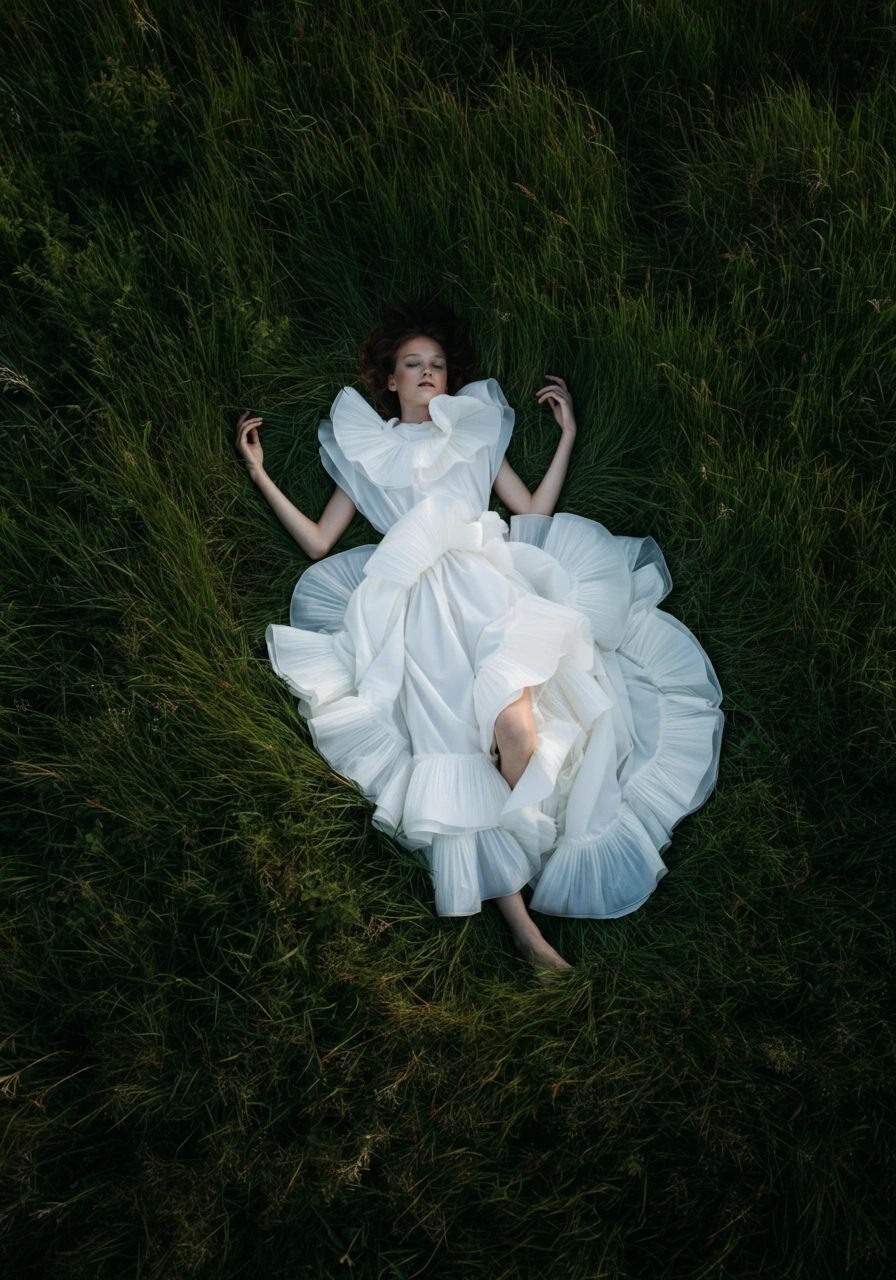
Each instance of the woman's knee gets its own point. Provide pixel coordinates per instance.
(515, 727)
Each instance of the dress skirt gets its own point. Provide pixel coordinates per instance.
(403, 654)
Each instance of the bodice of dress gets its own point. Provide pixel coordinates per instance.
(387, 468)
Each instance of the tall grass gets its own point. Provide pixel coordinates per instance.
(235, 1037)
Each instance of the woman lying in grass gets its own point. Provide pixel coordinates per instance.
(512, 701)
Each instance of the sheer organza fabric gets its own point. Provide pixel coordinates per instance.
(403, 655)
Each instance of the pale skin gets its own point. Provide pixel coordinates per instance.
(421, 373)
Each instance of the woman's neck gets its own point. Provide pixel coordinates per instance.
(415, 415)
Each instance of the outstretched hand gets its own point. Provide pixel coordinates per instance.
(247, 440)
(560, 400)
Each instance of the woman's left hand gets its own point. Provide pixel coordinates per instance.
(560, 400)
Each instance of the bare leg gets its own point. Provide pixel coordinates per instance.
(516, 737)
(527, 935)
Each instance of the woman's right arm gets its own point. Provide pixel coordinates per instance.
(315, 539)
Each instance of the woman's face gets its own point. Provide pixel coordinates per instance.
(421, 372)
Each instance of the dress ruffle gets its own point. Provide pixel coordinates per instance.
(393, 454)
(322, 593)
(470, 868)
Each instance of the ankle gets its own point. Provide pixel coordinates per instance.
(528, 937)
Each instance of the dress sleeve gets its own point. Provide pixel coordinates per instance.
(488, 391)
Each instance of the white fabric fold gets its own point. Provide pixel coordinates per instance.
(683, 768)
(359, 744)
(670, 655)
(450, 794)
(555, 741)
(434, 527)
(602, 876)
(470, 868)
(601, 579)
(524, 648)
(309, 663)
(322, 593)
(392, 454)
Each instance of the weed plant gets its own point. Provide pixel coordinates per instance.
(236, 1040)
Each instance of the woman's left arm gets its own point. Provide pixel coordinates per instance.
(510, 488)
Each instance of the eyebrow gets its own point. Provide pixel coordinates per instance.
(408, 354)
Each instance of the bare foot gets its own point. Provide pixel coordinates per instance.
(527, 936)
(540, 953)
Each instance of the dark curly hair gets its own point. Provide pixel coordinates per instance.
(428, 319)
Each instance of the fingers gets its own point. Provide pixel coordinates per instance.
(559, 400)
(559, 392)
(247, 423)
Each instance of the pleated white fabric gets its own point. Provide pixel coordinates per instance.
(403, 655)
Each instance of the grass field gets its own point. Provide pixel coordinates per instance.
(236, 1041)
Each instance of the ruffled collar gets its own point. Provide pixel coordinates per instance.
(395, 454)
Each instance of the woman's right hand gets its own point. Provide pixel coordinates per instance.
(248, 443)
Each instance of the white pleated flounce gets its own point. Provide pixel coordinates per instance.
(403, 655)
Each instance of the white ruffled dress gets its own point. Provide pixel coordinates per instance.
(404, 654)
